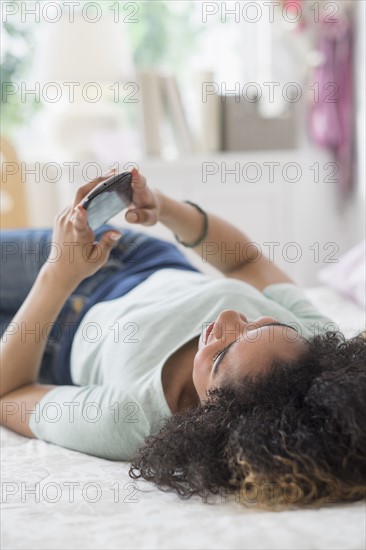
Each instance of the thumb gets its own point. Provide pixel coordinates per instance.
(106, 243)
(144, 216)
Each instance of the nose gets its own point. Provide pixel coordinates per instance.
(229, 325)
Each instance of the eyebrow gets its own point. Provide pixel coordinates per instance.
(222, 355)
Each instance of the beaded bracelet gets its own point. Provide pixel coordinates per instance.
(205, 230)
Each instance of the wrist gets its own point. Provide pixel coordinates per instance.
(204, 232)
(187, 221)
(165, 206)
(51, 276)
(161, 202)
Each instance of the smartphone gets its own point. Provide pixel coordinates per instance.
(107, 199)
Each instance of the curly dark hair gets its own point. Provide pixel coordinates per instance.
(293, 435)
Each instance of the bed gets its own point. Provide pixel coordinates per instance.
(55, 498)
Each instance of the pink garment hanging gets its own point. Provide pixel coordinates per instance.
(331, 117)
(296, 7)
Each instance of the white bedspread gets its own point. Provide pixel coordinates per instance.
(86, 502)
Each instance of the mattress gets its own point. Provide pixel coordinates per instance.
(56, 498)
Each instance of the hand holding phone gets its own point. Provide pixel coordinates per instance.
(146, 202)
(107, 199)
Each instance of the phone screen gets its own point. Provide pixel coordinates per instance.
(107, 199)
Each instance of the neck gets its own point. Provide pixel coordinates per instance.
(188, 398)
(180, 391)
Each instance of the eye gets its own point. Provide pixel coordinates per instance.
(277, 324)
(217, 355)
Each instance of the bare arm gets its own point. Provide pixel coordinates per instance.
(18, 405)
(226, 247)
(22, 344)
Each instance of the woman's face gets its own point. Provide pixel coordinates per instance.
(246, 348)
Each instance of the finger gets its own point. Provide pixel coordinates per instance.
(104, 246)
(138, 180)
(140, 215)
(80, 222)
(63, 212)
(84, 190)
(141, 192)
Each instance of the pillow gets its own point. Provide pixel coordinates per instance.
(348, 275)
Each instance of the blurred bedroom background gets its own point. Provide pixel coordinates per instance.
(255, 110)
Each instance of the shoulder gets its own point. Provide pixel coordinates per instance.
(293, 298)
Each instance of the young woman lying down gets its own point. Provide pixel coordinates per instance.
(128, 352)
